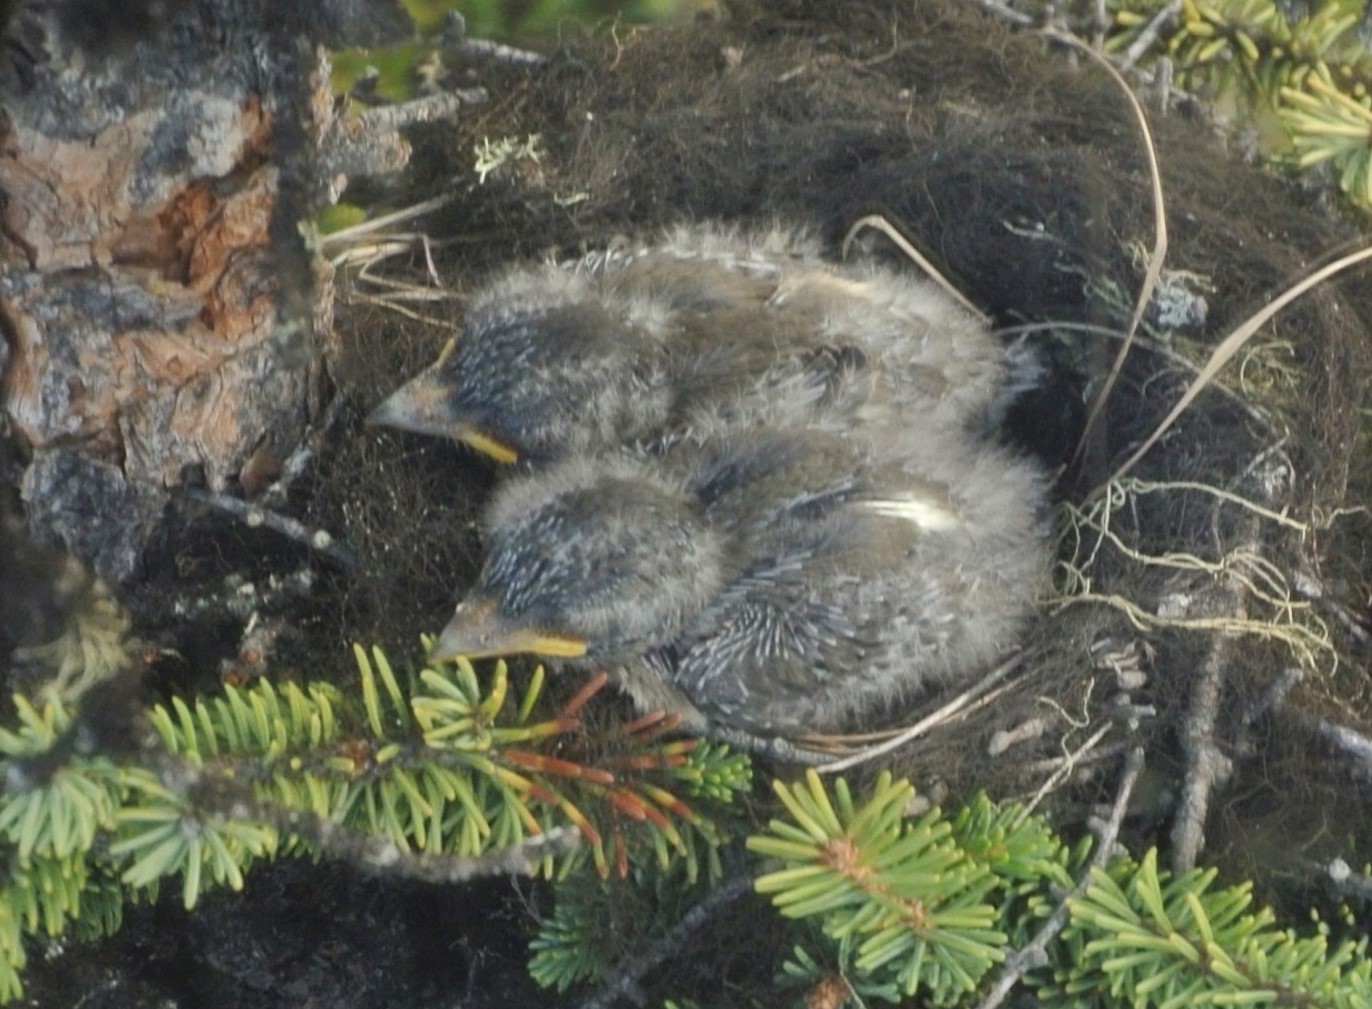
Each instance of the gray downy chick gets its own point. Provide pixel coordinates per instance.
(777, 581)
(711, 327)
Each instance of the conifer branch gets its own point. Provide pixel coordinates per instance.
(1312, 68)
(1127, 934)
(439, 776)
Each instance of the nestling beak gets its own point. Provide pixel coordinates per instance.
(420, 405)
(478, 631)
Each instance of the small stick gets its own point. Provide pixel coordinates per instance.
(1148, 36)
(303, 454)
(253, 516)
(1205, 764)
(498, 51)
(1094, 757)
(1099, 23)
(1274, 697)
(1352, 743)
(428, 109)
(1035, 954)
(235, 801)
(1004, 12)
(1070, 763)
(769, 747)
(368, 227)
(625, 978)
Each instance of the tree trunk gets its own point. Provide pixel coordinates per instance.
(163, 321)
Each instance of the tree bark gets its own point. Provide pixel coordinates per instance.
(163, 320)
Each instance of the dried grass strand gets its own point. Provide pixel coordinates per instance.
(880, 223)
(1155, 259)
(1230, 346)
(959, 702)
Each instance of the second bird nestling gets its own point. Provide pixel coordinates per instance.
(775, 581)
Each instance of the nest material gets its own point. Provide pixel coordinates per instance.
(1023, 178)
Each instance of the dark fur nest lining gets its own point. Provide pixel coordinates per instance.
(1023, 178)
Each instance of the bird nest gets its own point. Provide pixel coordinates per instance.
(1209, 603)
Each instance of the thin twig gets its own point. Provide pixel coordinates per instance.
(769, 747)
(498, 51)
(428, 109)
(392, 305)
(1160, 88)
(1346, 619)
(1143, 42)
(1050, 764)
(375, 224)
(850, 740)
(1273, 699)
(625, 978)
(1100, 22)
(1035, 953)
(318, 540)
(1004, 12)
(303, 454)
(1354, 744)
(233, 800)
(1070, 763)
(1206, 766)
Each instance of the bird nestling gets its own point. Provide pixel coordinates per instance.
(777, 581)
(710, 326)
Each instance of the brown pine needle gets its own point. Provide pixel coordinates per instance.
(578, 700)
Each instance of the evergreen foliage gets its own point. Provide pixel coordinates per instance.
(931, 905)
(1149, 938)
(1304, 70)
(884, 904)
(596, 921)
(441, 765)
(920, 905)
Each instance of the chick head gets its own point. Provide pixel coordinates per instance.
(599, 562)
(542, 369)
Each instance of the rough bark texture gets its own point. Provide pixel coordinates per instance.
(161, 320)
